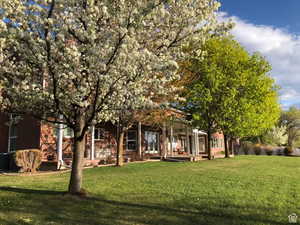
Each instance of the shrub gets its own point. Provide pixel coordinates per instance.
(111, 160)
(269, 150)
(288, 150)
(28, 160)
(257, 149)
(279, 151)
(246, 146)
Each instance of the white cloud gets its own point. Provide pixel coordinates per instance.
(281, 49)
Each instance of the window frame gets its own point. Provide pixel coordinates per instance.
(157, 142)
(131, 140)
(70, 135)
(65, 131)
(12, 123)
(99, 131)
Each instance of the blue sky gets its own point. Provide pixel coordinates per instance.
(271, 27)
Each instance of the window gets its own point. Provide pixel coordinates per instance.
(13, 137)
(67, 131)
(152, 142)
(183, 144)
(12, 142)
(131, 140)
(99, 134)
(174, 143)
(217, 143)
(214, 142)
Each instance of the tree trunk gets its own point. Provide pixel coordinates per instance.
(226, 146)
(120, 148)
(209, 155)
(75, 185)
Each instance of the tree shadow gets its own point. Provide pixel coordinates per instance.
(54, 207)
(30, 191)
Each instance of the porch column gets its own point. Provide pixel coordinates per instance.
(140, 139)
(59, 142)
(187, 136)
(194, 142)
(197, 143)
(163, 153)
(171, 137)
(92, 149)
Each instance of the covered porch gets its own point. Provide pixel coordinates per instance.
(182, 142)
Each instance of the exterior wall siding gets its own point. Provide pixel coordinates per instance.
(35, 134)
(220, 148)
(106, 148)
(4, 129)
(28, 133)
(48, 144)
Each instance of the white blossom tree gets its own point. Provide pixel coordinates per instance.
(80, 59)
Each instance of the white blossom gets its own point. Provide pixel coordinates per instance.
(93, 59)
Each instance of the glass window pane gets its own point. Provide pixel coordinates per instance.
(99, 134)
(131, 135)
(131, 145)
(13, 144)
(152, 141)
(131, 141)
(68, 132)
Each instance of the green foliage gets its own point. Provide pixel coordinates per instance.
(291, 120)
(232, 90)
(276, 136)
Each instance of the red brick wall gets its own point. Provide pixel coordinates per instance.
(3, 133)
(218, 150)
(48, 143)
(28, 132)
(108, 146)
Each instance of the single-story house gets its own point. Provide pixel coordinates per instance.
(174, 139)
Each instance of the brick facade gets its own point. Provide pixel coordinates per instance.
(3, 133)
(35, 134)
(218, 148)
(27, 132)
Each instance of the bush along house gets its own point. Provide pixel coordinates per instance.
(174, 140)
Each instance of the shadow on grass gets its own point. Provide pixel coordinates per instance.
(53, 207)
(31, 191)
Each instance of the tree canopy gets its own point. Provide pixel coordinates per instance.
(231, 90)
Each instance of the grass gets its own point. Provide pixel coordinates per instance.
(243, 190)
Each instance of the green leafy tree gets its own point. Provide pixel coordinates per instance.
(231, 91)
(291, 120)
(276, 136)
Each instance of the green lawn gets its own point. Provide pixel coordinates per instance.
(244, 190)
